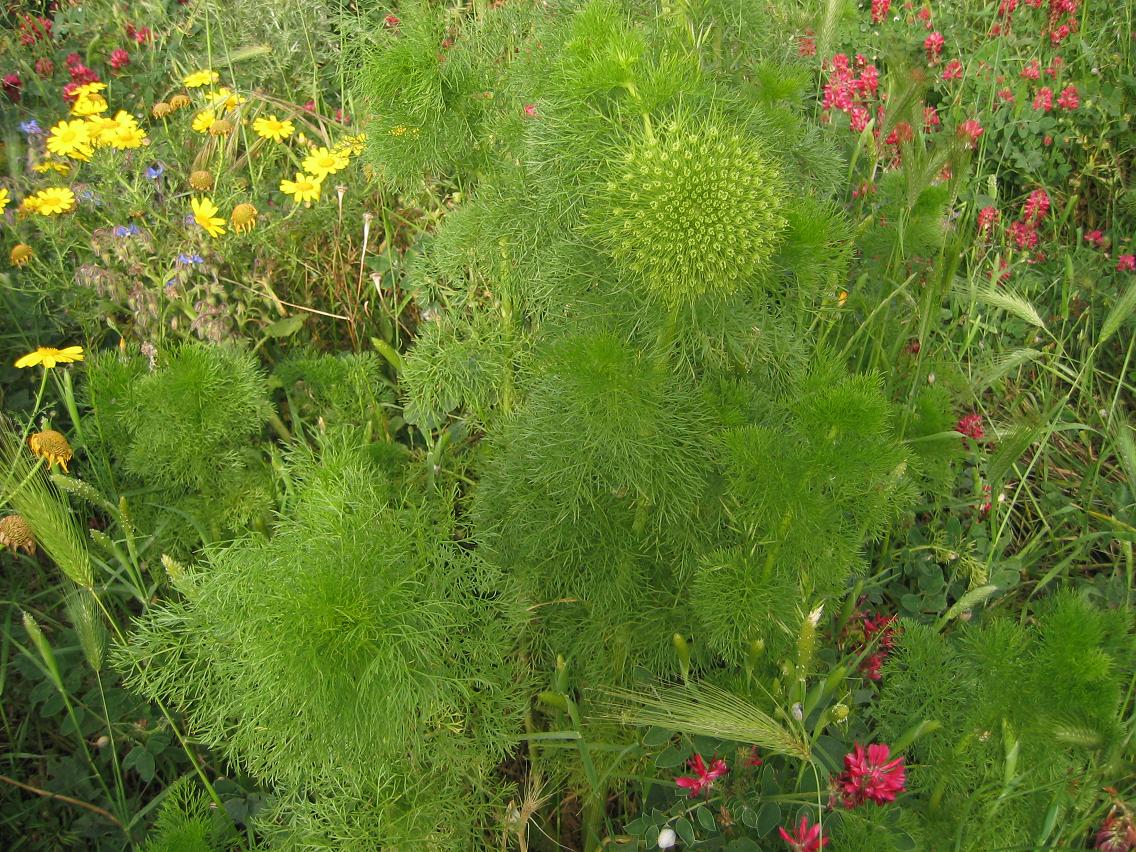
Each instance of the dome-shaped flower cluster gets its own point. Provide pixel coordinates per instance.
(693, 209)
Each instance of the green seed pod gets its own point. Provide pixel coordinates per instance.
(705, 207)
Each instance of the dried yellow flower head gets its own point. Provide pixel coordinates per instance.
(161, 109)
(16, 534)
(221, 127)
(201, 180)
(21, 254)
(179, 101)
(243, 218)
(51, 446)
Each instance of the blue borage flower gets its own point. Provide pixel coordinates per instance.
(31, 128)
(155, 171)
(125, 230)
(189, 259)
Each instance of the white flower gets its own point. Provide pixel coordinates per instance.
(667, 838)
(814, 616)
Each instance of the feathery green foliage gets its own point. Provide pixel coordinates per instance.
(346, 389)
(618, 298)
(186, 823)
(358, 660)
(182, 432)
(1026, 708)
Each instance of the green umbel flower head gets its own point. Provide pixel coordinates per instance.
(692, 209)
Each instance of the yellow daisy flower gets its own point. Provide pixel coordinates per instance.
(92, 104)
(323, 162)
(51, 446)
(53, 200)
(48, 356)
(205, 215)
(200, 78)
(5, 199)
(30, 204)
(101, 130)
(125, 121)
(224, 98)
(270, 127)
(305, 188)
(128, 137)
(204, 120)
(89, 89)
(243, 218)
(51, 166)
(70, 139)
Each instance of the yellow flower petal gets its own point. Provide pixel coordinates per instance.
(49, 356)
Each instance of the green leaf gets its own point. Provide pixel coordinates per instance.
(706, 819)
(672, 757)
(657, 736)
(141, 761)
(685, 830)
(285, 327)
(640, 826)
(743, 844)
(768, 818)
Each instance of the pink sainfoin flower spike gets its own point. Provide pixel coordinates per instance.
(1117, 833)
(884, 625)
(119, 59)
(1024, 235)
(1126, 263)
(1036, 207)
(933, 44)
(1032, 71)
(391, 21)
(869, 776)
(1095, 238)
(12, 84)
(703, 778)
(530, 110)
(987, 216)
(971, 426)
(970, 130)
(930, 119)
(806, 838)
(880, 10)
(1069, 98)
(953, 71)
(1043, 100)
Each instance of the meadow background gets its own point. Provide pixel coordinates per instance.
(315, 258)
